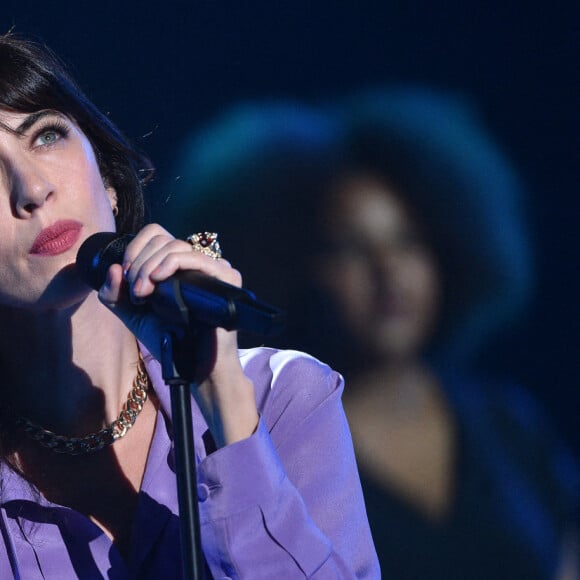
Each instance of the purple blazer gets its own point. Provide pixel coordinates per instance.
(284, 503)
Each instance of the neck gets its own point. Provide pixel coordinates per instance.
(402, 379)
(54, 371)
(393, 370)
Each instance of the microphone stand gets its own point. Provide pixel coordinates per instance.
(180, 357)
(178, 367)
(196, 302)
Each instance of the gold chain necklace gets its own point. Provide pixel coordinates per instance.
(94, 441)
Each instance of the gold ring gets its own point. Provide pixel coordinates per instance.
(206, 243)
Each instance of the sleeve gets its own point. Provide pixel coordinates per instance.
(287, 501)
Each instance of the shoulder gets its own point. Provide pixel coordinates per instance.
(290, 382)
(285, 362)
(517, 411)
(275, 370)
(499, 400)
(524, 429)
(521, 412)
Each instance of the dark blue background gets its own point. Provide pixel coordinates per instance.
(163, 68)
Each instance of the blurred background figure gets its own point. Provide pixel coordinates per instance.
(391, 229)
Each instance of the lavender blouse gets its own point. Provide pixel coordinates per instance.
(284, 503)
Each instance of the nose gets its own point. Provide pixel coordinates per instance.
(385, 263)
(30, 188)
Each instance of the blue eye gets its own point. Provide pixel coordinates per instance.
(49, 137)
(50, 134)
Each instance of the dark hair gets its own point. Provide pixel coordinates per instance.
(260, 174)
(32, 78)
(434, 149)
(251, 175)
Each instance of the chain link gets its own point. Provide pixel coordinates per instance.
(94, 442)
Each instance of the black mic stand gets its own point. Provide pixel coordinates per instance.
(194, 303)
(178, 363)
(181, 357)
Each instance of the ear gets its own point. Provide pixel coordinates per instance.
(112, 195)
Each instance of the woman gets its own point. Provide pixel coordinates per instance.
(278, 489)
(393, 232)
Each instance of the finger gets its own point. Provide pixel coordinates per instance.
(154, 252)
(142, 239)
(154, 255)
(147, 328)
(110, 291)
(192, 260)
(140, 250)
(161, 258)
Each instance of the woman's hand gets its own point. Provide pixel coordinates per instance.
(225, 395)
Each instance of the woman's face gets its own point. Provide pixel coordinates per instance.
(52, 197)
(379, 270)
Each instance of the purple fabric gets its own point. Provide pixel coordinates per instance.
(284, 503)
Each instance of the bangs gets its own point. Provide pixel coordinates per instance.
(32, 78)
(25, 84)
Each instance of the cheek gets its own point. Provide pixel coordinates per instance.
(13, 254)
(18, 285)
(99, 197)
(424, 289)
(86, 171)
(348, 286)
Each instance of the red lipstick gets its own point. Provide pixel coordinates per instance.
(57, 238)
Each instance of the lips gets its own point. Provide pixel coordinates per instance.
(57, 238)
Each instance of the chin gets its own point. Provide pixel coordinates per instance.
(397, 347)
(64, 291)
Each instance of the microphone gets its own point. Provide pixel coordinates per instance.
(187, 298)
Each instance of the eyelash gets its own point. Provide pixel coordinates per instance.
(52, 126)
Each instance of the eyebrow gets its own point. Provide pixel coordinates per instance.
(31, 119)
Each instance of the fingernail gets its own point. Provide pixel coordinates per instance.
(126, 267)
(135, 299)
(156, 272)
